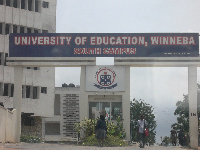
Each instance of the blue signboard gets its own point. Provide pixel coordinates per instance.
(104, 45)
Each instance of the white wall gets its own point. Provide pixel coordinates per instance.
(7, 125)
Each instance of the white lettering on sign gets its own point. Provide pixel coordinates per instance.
(172, 40)
(87, 50)
(119, 51)
(120, 40)
(42, 40)
(80, 40)
(106, 51)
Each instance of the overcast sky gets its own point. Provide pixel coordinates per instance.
(160, 87)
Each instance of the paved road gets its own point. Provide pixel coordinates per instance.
(49, 146)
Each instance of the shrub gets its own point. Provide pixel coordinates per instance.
(87, 126)
(116, 130)
(110, 141)
(115, 133)
(30, 139)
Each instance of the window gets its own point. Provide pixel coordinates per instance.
(44, 90)
(14, 29)
(52, 128)
(7, 29)
(22, 4)
(1, 58)
(28, 67)
(44, 31)
(1, 89)
(1, 28)
(30, 5)
(105, 109)
(1, 2)
(15, 3)
(8, 3)
(28, 30)
(116, 110)
(45, 4)
(111, 110)
(21, 29)
(6, 55)
(12, 90)
(35, 92)
(36, 31)
(28, 92)
(5, 92)
(36, 6)
(28, 121)
(36, 68)
(93, 110)
(57, 105)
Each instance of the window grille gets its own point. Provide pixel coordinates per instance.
(45, 4)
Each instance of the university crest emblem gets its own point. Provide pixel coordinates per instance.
(105, 78)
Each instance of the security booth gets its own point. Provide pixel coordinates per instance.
(106, 89)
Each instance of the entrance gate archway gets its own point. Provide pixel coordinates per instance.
(19, 61)
(191, 63)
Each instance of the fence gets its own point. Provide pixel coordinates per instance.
(7, 125)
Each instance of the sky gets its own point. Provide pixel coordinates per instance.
(160, 87)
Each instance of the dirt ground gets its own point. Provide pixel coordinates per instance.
(67, 146)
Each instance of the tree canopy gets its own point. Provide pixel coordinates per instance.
(139, 107)
(166, 141)
(182, 112)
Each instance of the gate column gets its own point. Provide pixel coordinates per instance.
(18, 73)
(193, 115)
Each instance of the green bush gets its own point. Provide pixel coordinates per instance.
(88, 127)
(110, 141)
(90, 141)
(116, 130)
(115, 133)
(30, 139)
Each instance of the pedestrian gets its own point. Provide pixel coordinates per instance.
(182, 138)
(142, 126)
(101, 130)
(173, 136)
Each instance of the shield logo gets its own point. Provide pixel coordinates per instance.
(105, 78)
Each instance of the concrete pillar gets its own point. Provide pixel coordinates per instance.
(18, 73)
(83, 102)
(193, 116)
(126, 105)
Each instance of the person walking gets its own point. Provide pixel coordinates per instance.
(142, 125)
(182, 138)
(101, 130)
